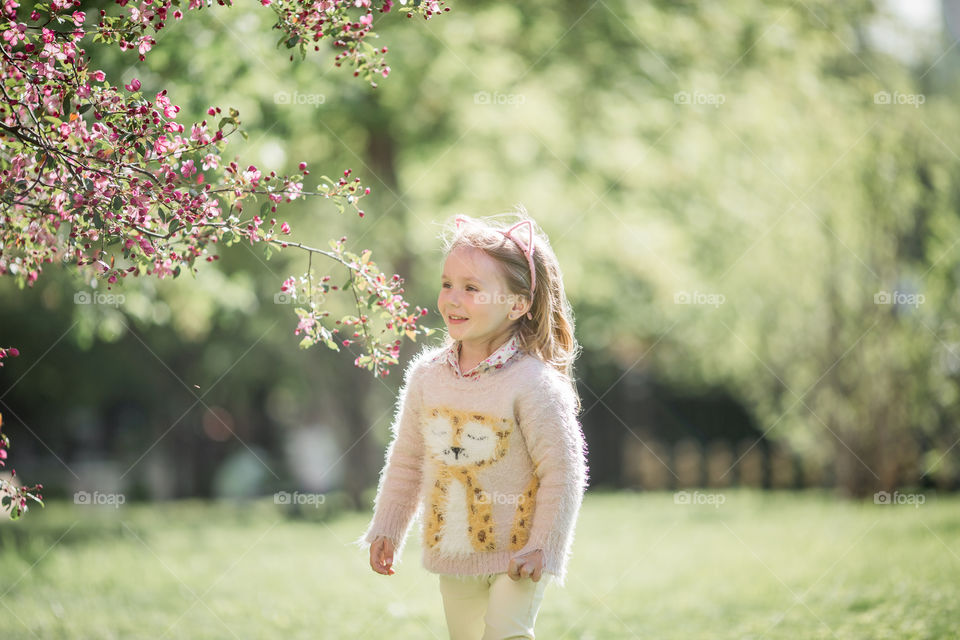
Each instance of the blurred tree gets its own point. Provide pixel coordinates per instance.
(726, 187)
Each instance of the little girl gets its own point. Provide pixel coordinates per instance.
(486, 441)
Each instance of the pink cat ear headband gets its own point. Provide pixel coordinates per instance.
(526, 248)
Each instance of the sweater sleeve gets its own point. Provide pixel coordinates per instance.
(547, 416)
(398, 493)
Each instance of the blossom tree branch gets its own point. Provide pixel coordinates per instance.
(105, 177)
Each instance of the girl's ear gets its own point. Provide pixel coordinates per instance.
(519, 308)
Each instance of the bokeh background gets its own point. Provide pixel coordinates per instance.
(754, 204)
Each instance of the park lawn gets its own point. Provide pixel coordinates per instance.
(759, 565)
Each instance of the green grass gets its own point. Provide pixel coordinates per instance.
(761, 565)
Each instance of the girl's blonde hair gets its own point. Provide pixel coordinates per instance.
(549, 335)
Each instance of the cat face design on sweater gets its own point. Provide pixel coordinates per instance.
(460, 518)
(460, 439)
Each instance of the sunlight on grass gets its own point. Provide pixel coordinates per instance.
(771, 565)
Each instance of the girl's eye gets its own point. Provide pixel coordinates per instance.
(469, 287)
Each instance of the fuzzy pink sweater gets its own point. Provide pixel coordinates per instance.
(494, 461)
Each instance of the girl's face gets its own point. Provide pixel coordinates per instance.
(472, 287)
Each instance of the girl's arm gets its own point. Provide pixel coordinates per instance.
(546, 414)
(398, 493)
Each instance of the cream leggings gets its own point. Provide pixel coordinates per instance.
(491, 606)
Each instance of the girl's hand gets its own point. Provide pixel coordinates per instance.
(529, 564)
(381, 555)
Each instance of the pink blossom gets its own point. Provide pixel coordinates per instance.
(294, 190)
(163, 269)
(16, 34)
(98, 75)
(146, 246)
(198, 133)
(285, 228)
(252, 175)
(10, 7)
(133, 86)
(146, 42)
(210, 161)
(305, 324)
(188, 169)
(169, 110)
(366, 19)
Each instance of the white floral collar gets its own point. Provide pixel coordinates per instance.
(494, 361)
